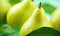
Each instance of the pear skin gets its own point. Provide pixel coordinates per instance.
(19, 13)
(55, 19)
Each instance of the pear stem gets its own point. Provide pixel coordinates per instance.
(32, 0)
(40, 5)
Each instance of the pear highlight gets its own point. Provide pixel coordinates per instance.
(36, 21)
(19, 13)
(55, 19)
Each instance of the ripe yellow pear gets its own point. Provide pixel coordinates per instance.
(37, 20)
(19, 13)
(55, 19)
(4, 8)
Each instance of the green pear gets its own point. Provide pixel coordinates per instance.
(55, 19)
(4, 8)
(37, 20)
(19, 13)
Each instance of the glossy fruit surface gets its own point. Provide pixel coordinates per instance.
(55, 19)
(19, 13)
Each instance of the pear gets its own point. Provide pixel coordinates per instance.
(4, 8)
(19, 13)
(36, 21)
(55, 19)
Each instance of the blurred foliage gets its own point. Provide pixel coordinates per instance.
(2, 32)
(48, 8)
(45, 31)
(13, 2)
(54, 3)
(12, 34)
(5, 29)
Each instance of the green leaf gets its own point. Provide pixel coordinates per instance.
(13, 2)
(45, 31)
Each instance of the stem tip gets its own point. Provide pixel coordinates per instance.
(32, 0)
(40, 5)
